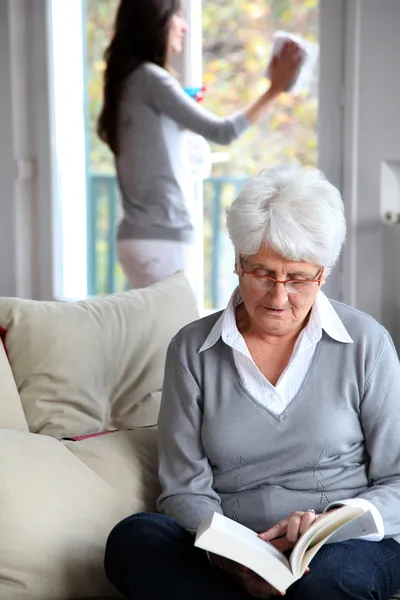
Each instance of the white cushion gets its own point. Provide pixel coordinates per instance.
(56, 512)
(98, 364)
(11, 411)
(127, 460)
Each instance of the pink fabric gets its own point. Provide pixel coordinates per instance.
(3, 334)
(79, 438)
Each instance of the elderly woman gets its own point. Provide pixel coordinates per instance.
(282, 403)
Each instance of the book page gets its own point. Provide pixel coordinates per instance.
(318, 534)
(364, 524)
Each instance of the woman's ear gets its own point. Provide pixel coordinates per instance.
(325, 275)
(238, 265)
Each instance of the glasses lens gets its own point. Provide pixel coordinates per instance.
(259, 282)
(256, 282)
(300, 287)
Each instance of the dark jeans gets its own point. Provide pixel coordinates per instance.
(150, 557)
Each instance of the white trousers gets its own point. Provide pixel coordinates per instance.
(145, 262)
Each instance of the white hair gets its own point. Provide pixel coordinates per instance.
(295, 211)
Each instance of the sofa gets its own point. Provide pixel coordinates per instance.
(69, 372)
(80, 386)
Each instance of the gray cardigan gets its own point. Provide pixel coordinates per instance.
(152, 167)
(339, 438)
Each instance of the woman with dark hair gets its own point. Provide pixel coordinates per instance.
(143, 118)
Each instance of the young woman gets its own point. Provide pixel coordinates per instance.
(143, 119)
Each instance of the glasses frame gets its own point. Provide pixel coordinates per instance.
(285, 281)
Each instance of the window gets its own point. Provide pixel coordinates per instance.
(235, 49)
(67, 46)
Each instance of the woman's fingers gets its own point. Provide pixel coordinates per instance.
(290, 528)
(298, 524)
(291, 52)
(293, 528)
(276, 531)
(307, 519)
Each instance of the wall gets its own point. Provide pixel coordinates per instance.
(371, 134)
(26, 217)
(11, 254)
(330, 110)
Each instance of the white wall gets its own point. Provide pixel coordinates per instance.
(330, 109)
(7, 210)
(26, 218)
(372, 134)
(16, 253)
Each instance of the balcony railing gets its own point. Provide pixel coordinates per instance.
(104, 211)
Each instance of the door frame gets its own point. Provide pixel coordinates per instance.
(331, 112)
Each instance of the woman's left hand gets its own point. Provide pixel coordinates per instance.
(252, 583)
(286, 532)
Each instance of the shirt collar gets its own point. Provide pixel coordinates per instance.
(323, 317)
(226, 324)
(330, 321)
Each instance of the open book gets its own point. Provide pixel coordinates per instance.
(227, 538)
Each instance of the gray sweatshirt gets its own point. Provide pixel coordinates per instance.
(152, 165)
(339, 438)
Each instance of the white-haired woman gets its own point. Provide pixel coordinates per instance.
(282, 403)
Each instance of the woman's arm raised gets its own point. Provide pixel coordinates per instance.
(164, 94)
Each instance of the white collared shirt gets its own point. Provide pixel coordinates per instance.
(276, 398)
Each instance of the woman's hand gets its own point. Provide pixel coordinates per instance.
(252, 583)
(286, 532)
(284, 67)
(282, 71)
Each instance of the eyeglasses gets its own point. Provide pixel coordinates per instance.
(292, 286)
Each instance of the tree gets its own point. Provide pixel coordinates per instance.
(236, 48)
(99, 24)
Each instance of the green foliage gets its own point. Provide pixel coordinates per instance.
(99, 24)
(236, 47)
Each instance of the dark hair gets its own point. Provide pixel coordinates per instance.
(140, 34)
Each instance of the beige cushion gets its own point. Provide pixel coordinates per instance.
(11, 411)
(98, 364)
(56, 512)
(127, 460)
